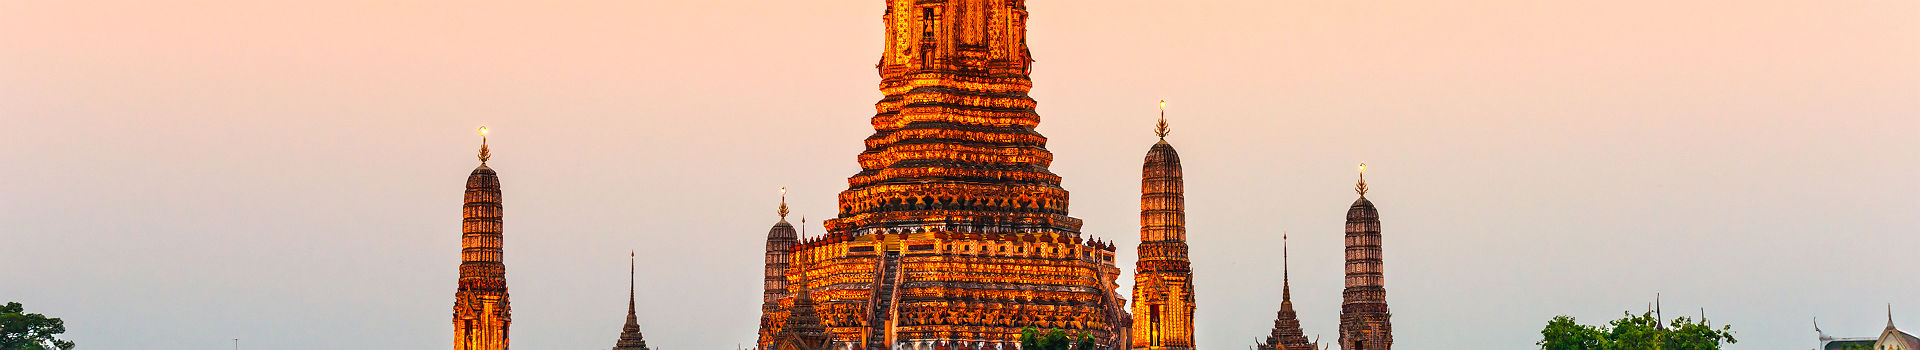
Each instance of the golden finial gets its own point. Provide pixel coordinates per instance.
(484, 153)
(1362, 187)
(1162, 129)
(783, 204)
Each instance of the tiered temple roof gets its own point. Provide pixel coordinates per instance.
(630, 338)
(801, 328)
(954, 137)
(1287, 334)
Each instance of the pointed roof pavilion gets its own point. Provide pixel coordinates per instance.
(630, 338)
(1287, 334)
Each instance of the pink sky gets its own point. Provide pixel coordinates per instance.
(179, 174)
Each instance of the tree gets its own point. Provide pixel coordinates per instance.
(24, 331)
(1634, 332)
(1054, 339)
(1697, 336)
(1564, 334)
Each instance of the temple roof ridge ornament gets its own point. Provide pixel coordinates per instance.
(1816, 329)
(1162, 129)
(484, 153)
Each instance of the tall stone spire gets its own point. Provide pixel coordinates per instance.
(780, 242)
(480, 310)
(630, 338)
(1364, 317)
(1287, 334)
(1163, 277)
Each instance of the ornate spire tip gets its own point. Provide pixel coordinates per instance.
(1286, 271)
(783, 204)
(1362, 186)
(484, 153)
(1162, 128)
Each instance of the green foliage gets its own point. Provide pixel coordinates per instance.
(1685, 335)
(24, 331)
(1633, 332)
(1852, 346)
(1054, 339)
(1564, 334)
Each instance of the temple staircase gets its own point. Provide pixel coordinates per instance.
(884, 295)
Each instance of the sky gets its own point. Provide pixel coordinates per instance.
(178, 174)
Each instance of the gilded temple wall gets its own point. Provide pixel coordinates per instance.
(956, 286)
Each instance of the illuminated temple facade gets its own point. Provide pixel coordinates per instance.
(1163, 302)
(954, 234)
(480, 313)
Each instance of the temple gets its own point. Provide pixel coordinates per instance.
(480, 312)
(1891, 338)
(1163, 301)
(1364, 323)
(954, 234)
(1286, 334)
